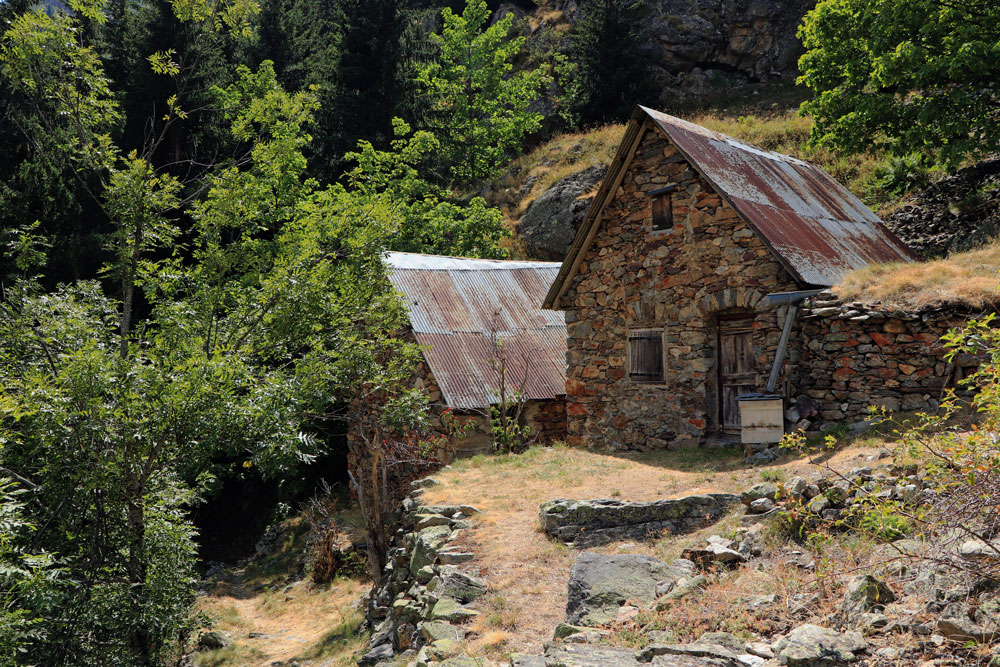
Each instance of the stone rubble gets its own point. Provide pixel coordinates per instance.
(423, 600)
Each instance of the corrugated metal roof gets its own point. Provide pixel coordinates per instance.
(813, 223)
(455, 303)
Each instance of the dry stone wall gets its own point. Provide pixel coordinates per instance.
(709, 264)
(854, 356)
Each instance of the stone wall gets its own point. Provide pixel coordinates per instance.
(421, 602)
(711, 263)
(587, 523)
(852, 356)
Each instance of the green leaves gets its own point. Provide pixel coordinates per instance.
(911, 76)
(480, 108)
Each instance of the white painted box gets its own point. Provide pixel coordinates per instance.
(762, 417)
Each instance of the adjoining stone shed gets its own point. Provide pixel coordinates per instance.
(456, 307)
(665, 284)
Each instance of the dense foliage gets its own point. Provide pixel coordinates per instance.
(601, 73)
(480, 106)
(912, 76)
(234, 306)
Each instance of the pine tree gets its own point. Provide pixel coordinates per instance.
(603, 74)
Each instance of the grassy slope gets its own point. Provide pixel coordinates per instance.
(966, 279)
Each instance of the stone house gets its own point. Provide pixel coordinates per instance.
(664, 287)
(457, 308)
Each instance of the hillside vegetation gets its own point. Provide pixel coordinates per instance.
(781, 130)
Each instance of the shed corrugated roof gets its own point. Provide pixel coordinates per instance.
(813, 224)
(455, 303)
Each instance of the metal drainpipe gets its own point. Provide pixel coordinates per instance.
(792, 300)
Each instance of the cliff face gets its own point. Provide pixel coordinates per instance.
(700, 49)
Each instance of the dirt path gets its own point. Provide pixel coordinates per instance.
(526, 571)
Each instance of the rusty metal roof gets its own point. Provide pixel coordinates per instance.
(813, 225)
(455, 303)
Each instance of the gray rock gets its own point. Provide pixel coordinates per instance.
(682, 589)
(454, 583)
(795, 487)
(958, 621)
(436, 630)
(714, 553)
(818, 504)
(378, 654)
(761, 505)
(450, 609)
(426, 545)
(757, 491)
(979, 549)
(454, 556)
(600, 584)
(865, 593)
(595, 522)
(763, 457)
(551, 221)
(814, 646)
(213, 640)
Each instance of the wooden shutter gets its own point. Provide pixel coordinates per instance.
(663, 213)
(646, 355)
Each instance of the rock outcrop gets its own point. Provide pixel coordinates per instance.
(550, 223)
(586, 523)
(957, 213)
(599, 585)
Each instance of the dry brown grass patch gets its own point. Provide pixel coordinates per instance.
(963, 279)
(528, 570)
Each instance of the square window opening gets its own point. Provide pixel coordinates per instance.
(646, 355)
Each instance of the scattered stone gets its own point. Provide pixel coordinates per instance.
(564, 630)
(758, 491)
(600, 584)
(452, 582)
(979, 549)
(213, 640)
(760, 649)
(450, 609)
(761, 505)
(425, 483)
(865, 593)
(814, 646)
(596, 522)
(714, 554)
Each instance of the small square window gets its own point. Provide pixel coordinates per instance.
(645, 355)
(663, 213)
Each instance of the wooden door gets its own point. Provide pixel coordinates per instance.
(737, 372)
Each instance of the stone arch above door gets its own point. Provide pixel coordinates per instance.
(731, 298)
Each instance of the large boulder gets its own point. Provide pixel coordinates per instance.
(550, 223)
(600, 584)
(583, 655)
(814, 646)
(586, 523)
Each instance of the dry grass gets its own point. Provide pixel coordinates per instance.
(964, 279)
(526, 571)
(274, 616)
(562, 156)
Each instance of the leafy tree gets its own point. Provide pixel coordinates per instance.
(602, 73)
(236, 305)
(480, 106)
(427, 220)
(912, 76)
